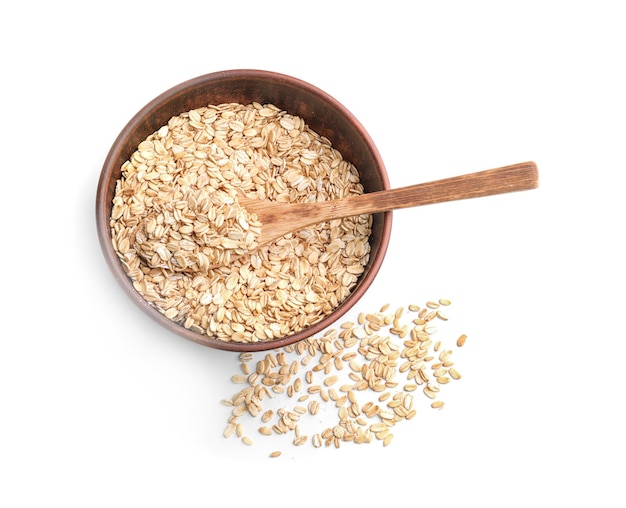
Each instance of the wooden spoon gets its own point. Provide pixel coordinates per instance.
(278, 219)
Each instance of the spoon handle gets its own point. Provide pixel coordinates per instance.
(517, 177)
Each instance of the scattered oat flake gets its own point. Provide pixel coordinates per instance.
(360, 404)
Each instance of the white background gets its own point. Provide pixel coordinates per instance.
(101, 407)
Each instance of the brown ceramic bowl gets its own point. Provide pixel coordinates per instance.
(320, 111)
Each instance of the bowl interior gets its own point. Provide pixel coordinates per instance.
(319, 110)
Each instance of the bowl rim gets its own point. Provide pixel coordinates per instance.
(115, 266)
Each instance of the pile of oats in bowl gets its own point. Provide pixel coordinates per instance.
(175, 214)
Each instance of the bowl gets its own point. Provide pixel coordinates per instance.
(322, 113)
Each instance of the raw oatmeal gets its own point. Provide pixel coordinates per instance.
(175, 214)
